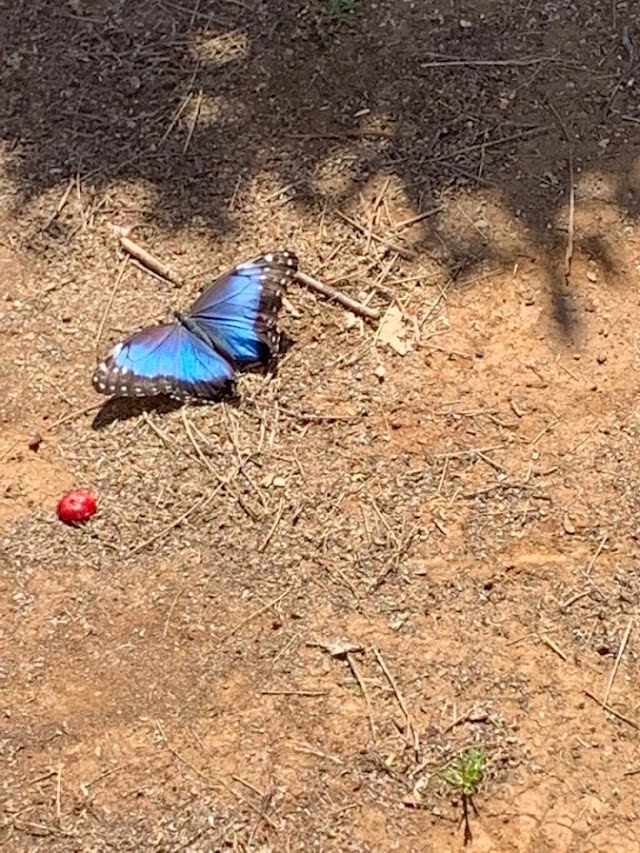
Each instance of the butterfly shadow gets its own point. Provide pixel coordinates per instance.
(124, 408)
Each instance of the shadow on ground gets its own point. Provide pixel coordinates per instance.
(198, 99)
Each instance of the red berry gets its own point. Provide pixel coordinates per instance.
(77, 506)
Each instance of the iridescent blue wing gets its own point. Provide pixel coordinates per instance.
(166, 359)
(238, 311)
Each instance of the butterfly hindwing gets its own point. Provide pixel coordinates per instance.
(238, 311)
(165, 359)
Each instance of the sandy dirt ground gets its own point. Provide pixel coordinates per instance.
(296, 611)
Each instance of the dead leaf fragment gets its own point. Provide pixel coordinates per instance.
(395, 332)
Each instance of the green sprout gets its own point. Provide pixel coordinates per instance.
(467, 773)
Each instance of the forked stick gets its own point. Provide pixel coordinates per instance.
(156, 266)
(148, 260)
(330, 293)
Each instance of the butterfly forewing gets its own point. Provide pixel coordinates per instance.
(238, 311)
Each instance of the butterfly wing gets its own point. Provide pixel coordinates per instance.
(165, 359)
(238, 311)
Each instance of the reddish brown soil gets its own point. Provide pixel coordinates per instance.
(426, 537)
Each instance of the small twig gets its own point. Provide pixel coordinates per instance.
(472, 716)
(107, 310)
(294, 692)
(528, 636)
(483, 154)
(373, 216)
(60, 206)
(558, 362)
(490, 462)
(242, 463)
(263, 545)
(170, 613)
(187, 428)
(194, 121)
(561, 123)
(542, 432)
(183, 760)
(572, 600)
(176, 117)
(457, 721)
(10, 449)
(257, 613)
(469, 451)
(455, 352)
(441, 297)
(410, 729)
(330, 293)
(592, 562)
(194, 14)
(612, 711)
(623, 645)
(150, 261)
(357, 134)
(467, 149)
(107, 773)
(277, 193)
(309, 750)
(72, 415)
(234, 195)
(405, 223)
(490, 63)
(443, 476)
(568, 255)
(248, 785)
(440, 526)
(80, 206)
(553, 646)
(42, 778)
(59, 795)
(361, 685)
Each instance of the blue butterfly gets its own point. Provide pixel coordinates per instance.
(231, 325)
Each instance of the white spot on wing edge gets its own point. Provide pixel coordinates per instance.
(115, 352)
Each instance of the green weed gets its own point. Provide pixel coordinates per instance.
(342, 10)
(467, 773)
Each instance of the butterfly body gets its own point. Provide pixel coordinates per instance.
(232, 325)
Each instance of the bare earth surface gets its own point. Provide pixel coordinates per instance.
(294, 610)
